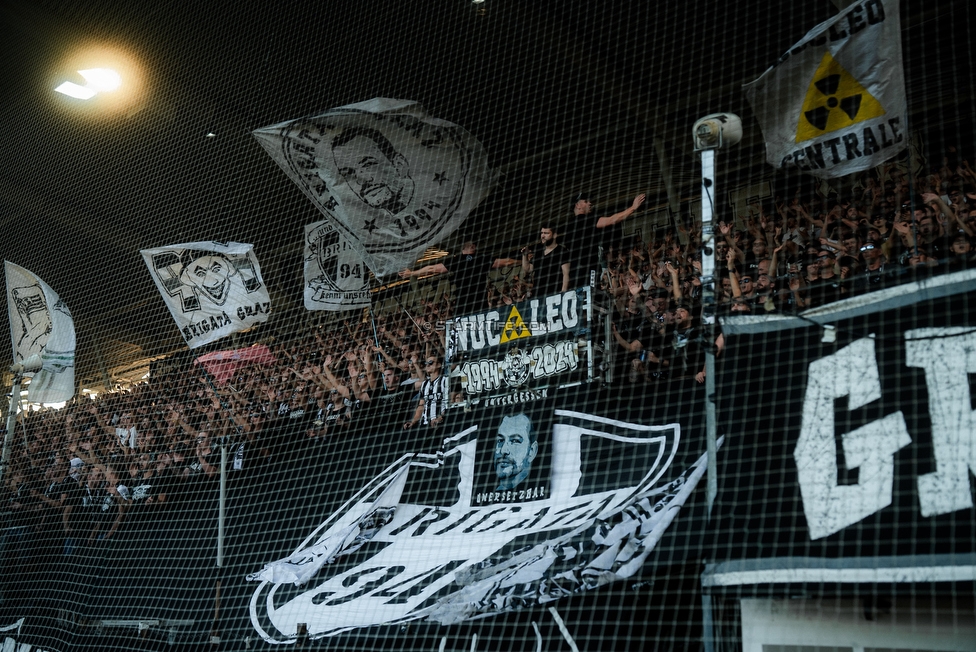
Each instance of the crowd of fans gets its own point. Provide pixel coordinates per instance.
(83, 468)
(788, 255)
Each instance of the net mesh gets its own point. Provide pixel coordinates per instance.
(505, 445)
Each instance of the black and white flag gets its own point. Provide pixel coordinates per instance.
(835, 102)
(41, 324)
(212, 289)
(390, 178)
(523, 506)
(336, 278)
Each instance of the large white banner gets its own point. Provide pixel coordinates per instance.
(835, 102)
(212, 289)
(41, 324)
(336, 278)
(390, 178)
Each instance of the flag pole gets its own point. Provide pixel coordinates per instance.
(221, 511)
(376, 337)
(409, 316)
(8, 436)
(18, 369)
(222, 504)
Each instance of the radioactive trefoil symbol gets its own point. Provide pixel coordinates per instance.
(514, 328)
(834, 100)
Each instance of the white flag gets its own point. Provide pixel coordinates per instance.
(391, 179)
(212, 289)
(40, 323)
(835, 102)
(336, 278)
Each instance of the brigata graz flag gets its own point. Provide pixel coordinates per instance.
(212, 289)
(336, 278)
(525, 504)
(41, 324)
(390, 178)
(835, 102)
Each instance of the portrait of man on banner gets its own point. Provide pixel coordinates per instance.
(373, 169)
(391, 179)
(513, 453)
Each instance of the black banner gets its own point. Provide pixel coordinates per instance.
(540, 342)
(851, 447)
(579, 529)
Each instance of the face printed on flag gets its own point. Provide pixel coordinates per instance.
(392, 180)
(835, 102)
(41, 324)
(376, 173)
(212, 289)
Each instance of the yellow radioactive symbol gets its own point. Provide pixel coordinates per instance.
(834, 100)
(514, 328)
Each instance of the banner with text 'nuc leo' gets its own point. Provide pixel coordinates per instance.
(539, 342)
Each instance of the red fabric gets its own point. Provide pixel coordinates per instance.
(222, 365)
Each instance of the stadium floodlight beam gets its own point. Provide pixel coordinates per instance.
(711, 133)
(30, 365)
(76, 91)
(100, 80)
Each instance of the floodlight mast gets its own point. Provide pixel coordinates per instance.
(711, 133)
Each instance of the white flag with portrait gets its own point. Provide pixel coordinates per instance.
(835, 103)
(41, 324)
(391, 179)
(212, 289)
(336, 278)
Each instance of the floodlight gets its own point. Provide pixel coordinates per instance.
(74, 90)
(101, 80)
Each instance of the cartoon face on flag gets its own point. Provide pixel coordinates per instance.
(41, 324)
(392, 180)
(212, 289)
(835, 102)
(336, 278)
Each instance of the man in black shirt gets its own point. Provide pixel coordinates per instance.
(585, 233)
(550, 264)
(470, 271)
(686, 356)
